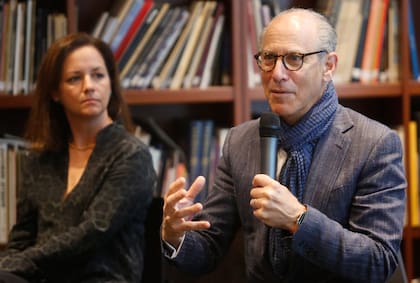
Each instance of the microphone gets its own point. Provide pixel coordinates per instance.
(269, 127)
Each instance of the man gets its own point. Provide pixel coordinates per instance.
(336, 212)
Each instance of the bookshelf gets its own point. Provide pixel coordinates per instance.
(391, 103)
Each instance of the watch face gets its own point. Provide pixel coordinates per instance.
(300, 218)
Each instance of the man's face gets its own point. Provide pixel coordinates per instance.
(292, 93)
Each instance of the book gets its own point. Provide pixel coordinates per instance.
(199, 51)
(18, 61)
(393, 41)
(379, 40)
(100, 24)
(331, 10)
(254, 77)
(28, 76)
(153, 31)
(374, 40)
(357, 66)
(413, 45)
(195, 149)
(116, 15)
(198, 72)
(213, 52)
(125, 24)
(349, 20)
(383, 60)
(257, 17)
(148, 27)
(133, 34)
(413, 188)
(203, 10)
(3, 194)
(3, 29)
(207, 147)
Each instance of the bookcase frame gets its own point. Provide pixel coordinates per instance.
(240, 101)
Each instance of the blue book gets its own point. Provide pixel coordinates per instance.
(126, 23)
(356, 72)
(412, 45)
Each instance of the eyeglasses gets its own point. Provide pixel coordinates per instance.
(293, 61)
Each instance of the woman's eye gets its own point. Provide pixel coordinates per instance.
(98, 75)
(73, 79)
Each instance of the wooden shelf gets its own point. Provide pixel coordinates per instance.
(15, 101)
(141, 97)
(209, 95)
(413, 87)
(351, 90)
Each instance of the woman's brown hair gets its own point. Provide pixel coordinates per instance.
(47, 127)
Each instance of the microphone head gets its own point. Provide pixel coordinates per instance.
(269, 124)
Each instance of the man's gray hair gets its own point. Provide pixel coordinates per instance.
(327, 34)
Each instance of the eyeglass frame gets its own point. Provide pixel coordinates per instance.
(277, 56)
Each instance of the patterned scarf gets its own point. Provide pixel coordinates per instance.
(299, 142)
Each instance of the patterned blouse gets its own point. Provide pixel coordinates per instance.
(96, 233)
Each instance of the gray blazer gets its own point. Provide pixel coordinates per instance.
(355, 194)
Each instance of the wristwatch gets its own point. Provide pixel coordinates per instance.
(299, 220)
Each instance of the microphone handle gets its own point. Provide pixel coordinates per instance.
(269, 156)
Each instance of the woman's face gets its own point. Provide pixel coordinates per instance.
(85, 86)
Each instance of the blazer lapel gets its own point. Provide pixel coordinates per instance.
(328, 160)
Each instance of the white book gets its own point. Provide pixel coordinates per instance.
(349, 23)
(3, 197)
(195, 60)
(203, 12)
(19, 49)
(100, 24)
(29, 46)
(215, 41)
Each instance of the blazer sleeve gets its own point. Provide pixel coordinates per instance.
(364, 247)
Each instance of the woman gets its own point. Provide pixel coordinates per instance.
(87, 182)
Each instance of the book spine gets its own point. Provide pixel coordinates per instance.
(413, 46)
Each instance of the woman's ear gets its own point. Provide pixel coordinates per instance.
(55, 97)
(330, 66)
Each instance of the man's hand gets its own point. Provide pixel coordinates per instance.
(274, 204)
(178, 208)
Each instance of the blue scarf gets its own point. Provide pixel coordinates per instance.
(299, 142)
(300, 139)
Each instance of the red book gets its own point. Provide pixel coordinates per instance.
(133, 29)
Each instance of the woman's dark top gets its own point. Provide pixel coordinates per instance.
(96, 233)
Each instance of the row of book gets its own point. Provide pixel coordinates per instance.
(11, 151)
(160, 45)
(371, 54)
(25, 34)
(199, 158)
(368, 37)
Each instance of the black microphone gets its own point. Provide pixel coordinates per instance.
(269, 127)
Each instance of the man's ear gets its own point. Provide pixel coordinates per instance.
(330, 66)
